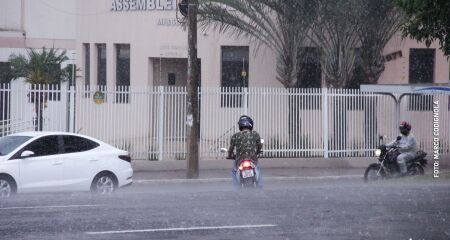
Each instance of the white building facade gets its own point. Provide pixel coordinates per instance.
(36, 24)
(148, 34)
(141, 43)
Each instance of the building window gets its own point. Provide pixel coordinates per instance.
(421, 71)
(235, 66)
(5, 94)
(171, 79)
(87, 64)
(122, 72)
(421, 65)
(101, 64)
(5, 72)
(309, 76)
(72, 71)
(235, 63)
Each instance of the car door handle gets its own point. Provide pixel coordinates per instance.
(57, 163)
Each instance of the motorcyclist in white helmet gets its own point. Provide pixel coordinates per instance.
(407, 145)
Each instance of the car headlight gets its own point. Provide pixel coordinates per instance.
(378, 152)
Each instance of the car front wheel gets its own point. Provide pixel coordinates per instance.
(7, 187)
(104, 183)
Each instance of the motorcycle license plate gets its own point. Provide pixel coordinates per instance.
(247, 173)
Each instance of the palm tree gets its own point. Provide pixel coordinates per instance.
(335, 33)
(339, 28)
(40, 68)
(281, 25)
(379, 21)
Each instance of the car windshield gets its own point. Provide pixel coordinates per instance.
(9, 143)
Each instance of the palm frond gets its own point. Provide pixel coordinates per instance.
(40, 66)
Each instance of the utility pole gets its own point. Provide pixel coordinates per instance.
(193, 84)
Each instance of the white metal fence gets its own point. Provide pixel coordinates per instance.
(25, 107)
(150, 121)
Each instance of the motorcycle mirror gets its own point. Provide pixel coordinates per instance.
(262, 140)
(399, 138)
(223, 150)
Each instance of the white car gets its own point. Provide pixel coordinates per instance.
(57, 161)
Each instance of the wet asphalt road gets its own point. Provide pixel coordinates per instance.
(294, 209)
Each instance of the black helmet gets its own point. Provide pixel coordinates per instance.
(245, 122)
(405, 127)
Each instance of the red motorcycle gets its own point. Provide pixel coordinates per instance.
(246, 171)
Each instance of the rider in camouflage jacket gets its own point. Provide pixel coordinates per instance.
(247, 142)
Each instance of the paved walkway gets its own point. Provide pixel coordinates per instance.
(272, 168)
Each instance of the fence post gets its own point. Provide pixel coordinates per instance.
(245, 102)
(325, 121)
(71, 115)
(161, 123)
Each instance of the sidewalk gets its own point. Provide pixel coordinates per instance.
(272, 168)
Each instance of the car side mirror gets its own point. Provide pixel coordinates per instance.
(26, 154)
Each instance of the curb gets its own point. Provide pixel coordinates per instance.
(219, 180)
(216, 180)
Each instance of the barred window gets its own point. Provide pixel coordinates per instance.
(310, 76)
(122, 72)
(235, 64)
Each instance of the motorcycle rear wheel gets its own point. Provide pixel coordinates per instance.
(248, 183)
(374, 173)
(416, 169)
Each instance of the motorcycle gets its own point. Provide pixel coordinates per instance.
(387, 166)
(246, 171)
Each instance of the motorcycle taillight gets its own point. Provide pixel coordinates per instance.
(245, 164)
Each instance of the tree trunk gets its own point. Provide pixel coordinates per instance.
(39, 109)
(193, 84)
